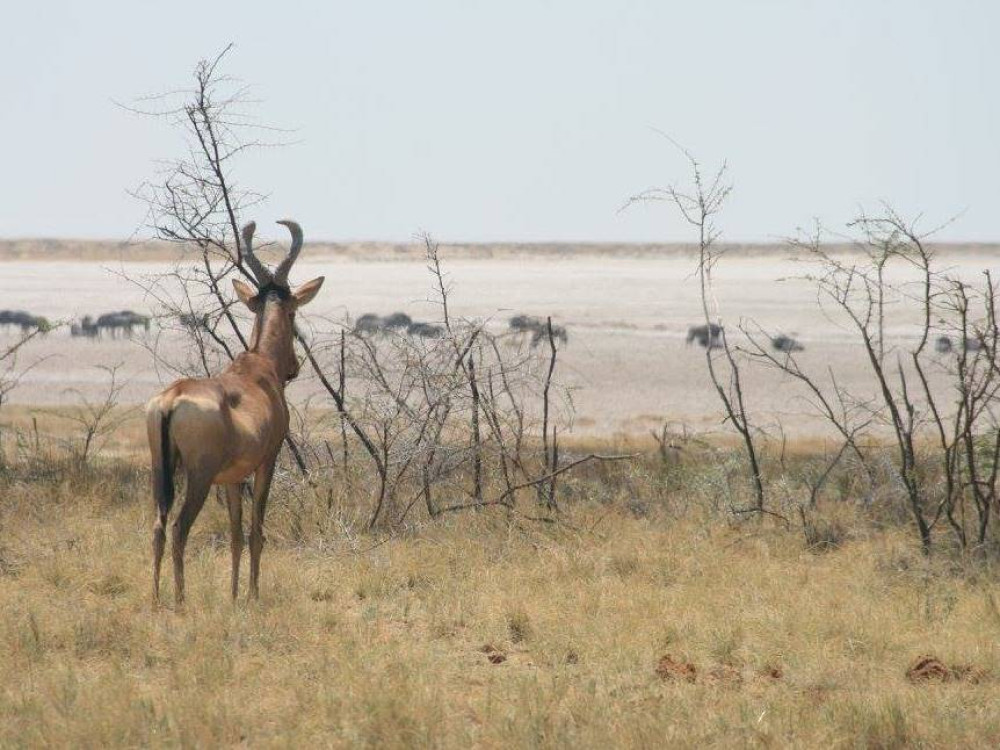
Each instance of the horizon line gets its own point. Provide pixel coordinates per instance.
(418, 241)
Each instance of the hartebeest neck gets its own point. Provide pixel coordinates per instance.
(272, 337)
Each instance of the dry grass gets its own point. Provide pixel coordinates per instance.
(615, 628)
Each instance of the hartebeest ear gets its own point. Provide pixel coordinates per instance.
(246, 293)
(304, 294)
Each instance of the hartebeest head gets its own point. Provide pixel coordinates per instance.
(273, 302)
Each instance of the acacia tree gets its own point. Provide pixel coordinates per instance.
(196, 202)
(436, 418)
(96, 420)
(699, 205)
(944, 438)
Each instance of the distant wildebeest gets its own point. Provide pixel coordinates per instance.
(542, 333)
(425, 330)
(15, 318)
(122, 323)
(944, 345)
(23, 320)
(86, 327)
(538, 328)
(786, 344)
(398, 321)
(525, 323)
(368, 323)
(708, 336)
(134, 320)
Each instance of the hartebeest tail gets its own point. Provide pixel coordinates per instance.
(224, 429)
(165, 485)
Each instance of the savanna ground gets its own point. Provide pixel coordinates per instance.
(647, 614)
(627, 310)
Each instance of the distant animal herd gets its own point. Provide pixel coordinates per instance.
(371, 324)
(115, 324)
(538, 328)
(125, 323)
(399, 322)
(945, 345)
(22, 320)
(121, 324)
(711, 336)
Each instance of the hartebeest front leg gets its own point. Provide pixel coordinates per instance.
(261, 489)
(234, 499)
(198, 486)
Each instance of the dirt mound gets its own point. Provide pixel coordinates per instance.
(669, 668)
(929, 668)
(493, 654)
(772, 672)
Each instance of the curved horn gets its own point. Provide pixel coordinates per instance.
(281, 274)
(246, 255)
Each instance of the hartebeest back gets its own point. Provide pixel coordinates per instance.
(220, 430)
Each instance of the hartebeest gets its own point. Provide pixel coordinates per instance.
(222, 429)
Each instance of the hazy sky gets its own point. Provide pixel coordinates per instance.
(516, 120)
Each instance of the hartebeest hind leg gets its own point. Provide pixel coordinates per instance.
(234, 499)
(198, 486)
(261, 489)
(159, 542)
(163, 489)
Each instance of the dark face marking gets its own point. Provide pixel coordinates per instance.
(271, 289)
